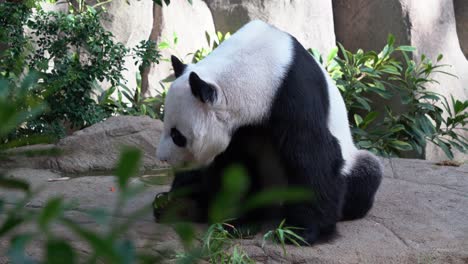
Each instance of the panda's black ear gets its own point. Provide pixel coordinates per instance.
(178, 66)
(202, 90)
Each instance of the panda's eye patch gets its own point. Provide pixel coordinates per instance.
(178, 138)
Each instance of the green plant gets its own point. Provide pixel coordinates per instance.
(18, 105)
(131, 103)
(71, 53)
(217, 245)
(201, 53)
(362, 76)
(284, 234)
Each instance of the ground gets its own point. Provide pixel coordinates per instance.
(420, 216)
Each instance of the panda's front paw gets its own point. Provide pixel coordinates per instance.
(160, 203)
(312, 234)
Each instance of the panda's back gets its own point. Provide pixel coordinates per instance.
(254, 68)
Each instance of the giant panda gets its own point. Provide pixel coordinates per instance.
(262, 101)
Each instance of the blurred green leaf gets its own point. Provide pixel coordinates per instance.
(59, 251)
(12, 221)
(406, 48)
(17, 251)
(51, 211)
(128, 166)
(126, 251)
(11, 183)
(235, 185)
(278, 195)
(186, 233)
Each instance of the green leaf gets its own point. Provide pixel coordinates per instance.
(98, 244)
(364, 104)
(127, 166)
(364, 144)
(459, 106)
(17, 251)
(332, 54)
(60, 251)
(357, 119)
(397, 128)
(12, 221)
(406, 48)
(15, 184)
(186, 232)
(126, 251)
(276, 195)
(163, 45)
(445, 147)
(235, 184)
(369, 118)
(400, 145)
(52, 209)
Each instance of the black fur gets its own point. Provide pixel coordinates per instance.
(362, 184)
(310, 155)
(204, 91)
(178, 66)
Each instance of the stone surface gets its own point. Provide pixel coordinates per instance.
(311, 22)
(430, 27)
(461, 15)
(130, 22)
(420, 216)
(96, 148)
(189, 22)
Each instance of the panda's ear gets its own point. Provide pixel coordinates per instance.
(178, 66)
(202, 90)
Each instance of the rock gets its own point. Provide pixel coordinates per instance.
(419, 216)
(461, 15)
(311, 22)
(430, 27)
(96, 148)
(130, 22)
(189, 22)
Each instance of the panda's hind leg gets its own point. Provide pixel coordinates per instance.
(362, 183)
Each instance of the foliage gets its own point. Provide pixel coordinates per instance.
(128, 104)
(71, 53)
(428, 116)
(18, 104)
(217, 246)
(201, 53)
(284, 234)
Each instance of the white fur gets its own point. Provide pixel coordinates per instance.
(338, 123)
(247, 70)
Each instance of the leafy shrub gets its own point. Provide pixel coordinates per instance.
(71, 53)
(428, 116)
(131, 103)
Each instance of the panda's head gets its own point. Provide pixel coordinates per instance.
(195, 127)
